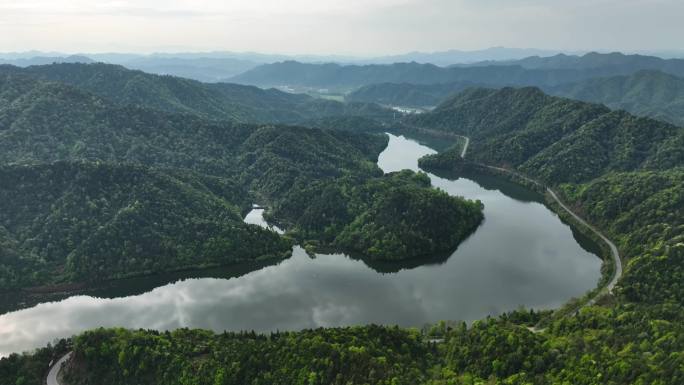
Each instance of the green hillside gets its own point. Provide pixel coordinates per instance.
(346, 78)
(645, 212)
(554, 139)
(648, 93)
(46, 127)
(406, 94)
(207, 100)
(645, 93)
(616, 62)
(46, 122)
(76, 222)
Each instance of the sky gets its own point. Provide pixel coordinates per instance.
(346, 27)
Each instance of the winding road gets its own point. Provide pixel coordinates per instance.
(465, 146)
(617, 262)
(55, 369)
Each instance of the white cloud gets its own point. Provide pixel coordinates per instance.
(338, 26)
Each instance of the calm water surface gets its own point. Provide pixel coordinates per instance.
(521, 255)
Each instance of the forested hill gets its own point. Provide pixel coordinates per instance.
(147, 172)
(207, 100)
(349, 77)
(552, 138)
(44, 124)
(406, 94)
(618, 63)
(644, 93)
(82, 222)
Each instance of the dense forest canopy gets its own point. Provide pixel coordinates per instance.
(617, 62)
(648, 93)
(645, 93)
(533, 71)
(133, 190)
(406, 94)
(349, 77)
(625, 344)
(88, 221)
(222, 101)
(388, 218)
(554, 139)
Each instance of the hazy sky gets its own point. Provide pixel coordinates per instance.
(362, 27)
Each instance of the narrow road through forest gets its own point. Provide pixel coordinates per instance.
(465, 146)
(55, 369)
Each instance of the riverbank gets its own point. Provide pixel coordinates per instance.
(611, 269)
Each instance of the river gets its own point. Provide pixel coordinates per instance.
(522, 255)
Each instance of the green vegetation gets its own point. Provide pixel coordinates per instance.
(98, 191)
(29, 369)
(649, 93)
(207, 100)
(624, 344)
(406, 94)
(337, 77)
(616, 62)
(449, 160)
(624, 174)
(359, 355)
(645, 93)
(553, 139)
(47, 122)
(644, 212)
(533, 71)
(76, 222)
(393, 217)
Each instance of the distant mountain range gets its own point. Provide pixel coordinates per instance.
(643, 85)
(454, 56)
(407, 94)
(201, 69)
(619, 62)
(346, 78)
(644, 93)
(447, 57)
(43, 60)
(213, 101)
(219, 66)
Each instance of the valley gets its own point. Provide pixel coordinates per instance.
(335, 290)
(165, 230)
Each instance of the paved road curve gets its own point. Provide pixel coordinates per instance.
(56, 368)
(613, 249)
(465, 146)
